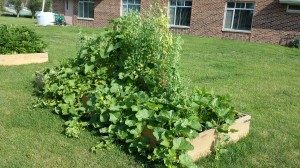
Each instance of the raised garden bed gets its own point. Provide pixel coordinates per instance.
(204, 144)
(21, 59)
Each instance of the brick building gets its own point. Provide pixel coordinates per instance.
(262, 21)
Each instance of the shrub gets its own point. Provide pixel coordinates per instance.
(126, 80)
(296, 42)
(34, 6)
(19, 40)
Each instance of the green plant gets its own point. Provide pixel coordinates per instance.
(34, 5)
(296, 42)
(2, 4)
(126, 80)
(18, 6)
(15, 39)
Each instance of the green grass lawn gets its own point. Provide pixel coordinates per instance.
(263, 79)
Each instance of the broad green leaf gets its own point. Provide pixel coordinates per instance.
(195, 106)
(93, 59)
(110, 48)
(112, 129)
(186, 160)
(223, 128)
(104, 117)
(193, 134)
(136, 132)
(122, 135)
(196, 125)
(214, 102)
(154, 106)
(64, 109)
(121, 75)
(69, 71)
(69, 98)
(209, 124)
(114, 108)
(88, 68)
(130, 123)
(135, 108)
(225, 138)
(71, 83)
(114, 117)
(54, 87)
(102, 53)
(73, 111)
(167, 114)
(165, 143)
(157, 132)
(114, 88)
(182, 144)
(103, 130)
(143, 114)
(83, 53)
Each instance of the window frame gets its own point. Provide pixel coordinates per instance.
(232, 19)
(83, 2)
(174, 25)
(128, 4)
(291, 10)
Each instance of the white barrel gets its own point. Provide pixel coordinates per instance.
(46, 18)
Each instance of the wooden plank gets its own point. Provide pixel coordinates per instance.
(21, 59)
(205, 142)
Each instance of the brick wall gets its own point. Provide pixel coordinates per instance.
(103, 10)
(271, 23)
(59, 6)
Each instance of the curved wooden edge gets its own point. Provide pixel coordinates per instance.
(21, 59)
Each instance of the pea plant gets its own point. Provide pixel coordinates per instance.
(126, 81)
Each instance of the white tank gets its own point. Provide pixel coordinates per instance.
(46, 18)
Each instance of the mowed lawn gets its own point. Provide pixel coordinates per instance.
(263, 80)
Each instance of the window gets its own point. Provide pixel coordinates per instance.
(238, 16)
(291, 8)
(180, 12)
(86, 8)
(130, 6)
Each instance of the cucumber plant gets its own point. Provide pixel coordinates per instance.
(126, 80)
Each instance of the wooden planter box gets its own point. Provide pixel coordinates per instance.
(205, 142)
(21, 59)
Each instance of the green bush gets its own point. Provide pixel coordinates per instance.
(17, 40)
(126, 80)
(296, 42)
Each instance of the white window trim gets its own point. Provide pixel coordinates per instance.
(178, 26)
(292, 11)
(121, 11)
(235, 30)
(85, 18)
(82, 18)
